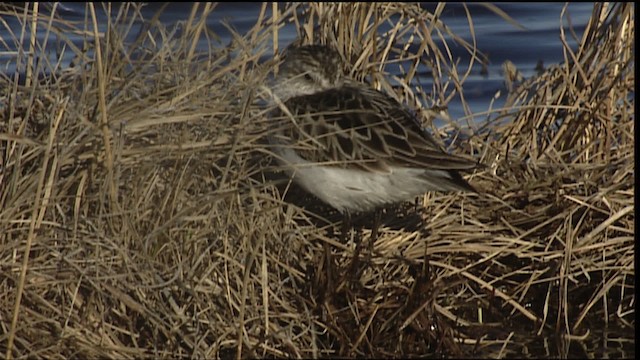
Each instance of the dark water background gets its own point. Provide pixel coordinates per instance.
(537, 40)
(500, 40)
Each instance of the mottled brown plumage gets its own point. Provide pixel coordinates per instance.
(352, 146)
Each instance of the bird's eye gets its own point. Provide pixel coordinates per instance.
(308, 77)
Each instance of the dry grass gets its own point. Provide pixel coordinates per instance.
(139, 218)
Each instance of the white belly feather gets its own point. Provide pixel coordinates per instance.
(359, 190)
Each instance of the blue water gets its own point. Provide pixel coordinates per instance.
(538, 38)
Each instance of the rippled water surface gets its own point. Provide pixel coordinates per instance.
(537, 38)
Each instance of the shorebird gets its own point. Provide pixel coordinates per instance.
(355, 148)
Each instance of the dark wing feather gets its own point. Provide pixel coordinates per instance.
(367, 129)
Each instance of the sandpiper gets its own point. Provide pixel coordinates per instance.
(355, 148)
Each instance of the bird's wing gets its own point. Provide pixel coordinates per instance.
(362, 128)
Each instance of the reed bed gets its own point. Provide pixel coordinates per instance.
(142, 216)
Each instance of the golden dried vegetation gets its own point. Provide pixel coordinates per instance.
(140, 216)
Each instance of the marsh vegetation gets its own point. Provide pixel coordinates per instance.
(141, 215)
